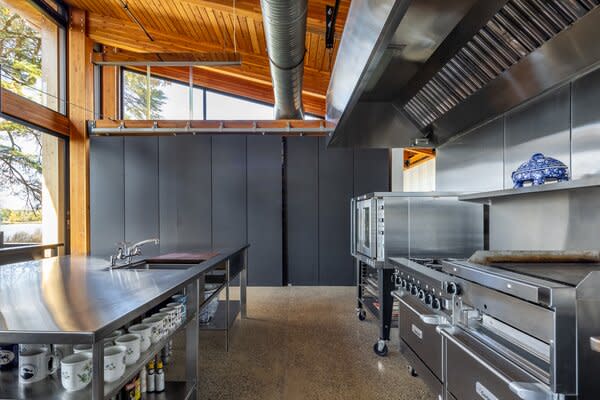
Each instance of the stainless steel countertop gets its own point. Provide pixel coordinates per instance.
(75, 299)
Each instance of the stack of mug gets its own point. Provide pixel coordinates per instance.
(36, 362)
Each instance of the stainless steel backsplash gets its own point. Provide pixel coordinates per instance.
(563, 123)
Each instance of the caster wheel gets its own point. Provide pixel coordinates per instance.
(412, 372)
(362, 315)
(380, 348)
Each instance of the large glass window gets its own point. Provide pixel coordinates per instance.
(222, 106)
(32, 207)
(168, 99)
(30, 46)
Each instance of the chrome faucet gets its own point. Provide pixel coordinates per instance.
(126, 252)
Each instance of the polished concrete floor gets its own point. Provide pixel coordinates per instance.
(303, 343)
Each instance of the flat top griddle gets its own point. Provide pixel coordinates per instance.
(566, 273)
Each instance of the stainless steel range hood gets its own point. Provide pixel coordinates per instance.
(440, 67)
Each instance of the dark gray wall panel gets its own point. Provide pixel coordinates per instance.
(371, 171)
(185, 193)
(336, 187)
(542, 126)
(168, 199)
(586, 125)
(473, 162)
(141, 190)
(229, 190)
(194, 192)
(302, 221)
(107, 196)
(264, 211)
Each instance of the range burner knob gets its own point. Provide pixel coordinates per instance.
(453, 288)
(422, 295)
(414, 290)
(398, 280)
(409, 287)
(435, 304)
(404, 283)
(429, 299)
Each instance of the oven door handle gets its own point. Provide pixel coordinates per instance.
(524, 390)
(427, 319)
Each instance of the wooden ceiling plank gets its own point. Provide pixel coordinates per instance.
(253, 36)
(189, 26)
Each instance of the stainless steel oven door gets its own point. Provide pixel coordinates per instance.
(475, 371)
(417, 327)
(365, 230)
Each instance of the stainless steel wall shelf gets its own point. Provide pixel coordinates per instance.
(487, 197)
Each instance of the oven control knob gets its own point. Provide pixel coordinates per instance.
(428, 299)
(453, 288)
(414, 290)
(422, 295)
(398, 280)
(404, 283)
(409, 286)
(435, 304)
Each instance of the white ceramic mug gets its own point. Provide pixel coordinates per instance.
(179, 308)
(81, 348)
(62, 350)
(110, 339)
(172, 312)
(181, 299)
(157, 325)
(166, 322)
(114, 362)
(35, 365)
(132, 343)
(145, 333)
(76, 371)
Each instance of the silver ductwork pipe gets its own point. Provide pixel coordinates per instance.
(285, 30)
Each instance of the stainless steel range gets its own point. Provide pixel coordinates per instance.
(502, 329)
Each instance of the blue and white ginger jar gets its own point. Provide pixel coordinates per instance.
(540, 169)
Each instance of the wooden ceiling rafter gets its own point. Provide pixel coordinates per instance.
(414, 156)
(208, 26)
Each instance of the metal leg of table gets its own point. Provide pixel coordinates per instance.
(193, 291)
(359, 292)
(244, 285)
(386, 301)
(98, 370)
(227, 284)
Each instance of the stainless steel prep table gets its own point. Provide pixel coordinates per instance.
(76, 299)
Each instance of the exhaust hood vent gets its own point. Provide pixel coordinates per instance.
(520, 27)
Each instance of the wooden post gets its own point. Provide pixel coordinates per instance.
(81, 107)
(110, 92)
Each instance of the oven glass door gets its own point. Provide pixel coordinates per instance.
(365, 228)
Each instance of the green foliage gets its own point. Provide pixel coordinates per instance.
(20, 52)
(135, 90)
(19, 216)
(20, 148)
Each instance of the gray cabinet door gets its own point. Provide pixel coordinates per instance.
(264, 211)
(301, 210)
(141, 190)
(185, 193)
(371, 171)
(336, 187)
(107, 195)
(229, 191)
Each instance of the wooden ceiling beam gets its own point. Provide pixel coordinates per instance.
(315, 20)
(128, 58)
(127, 36)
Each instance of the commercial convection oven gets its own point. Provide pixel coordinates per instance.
(403, 224)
